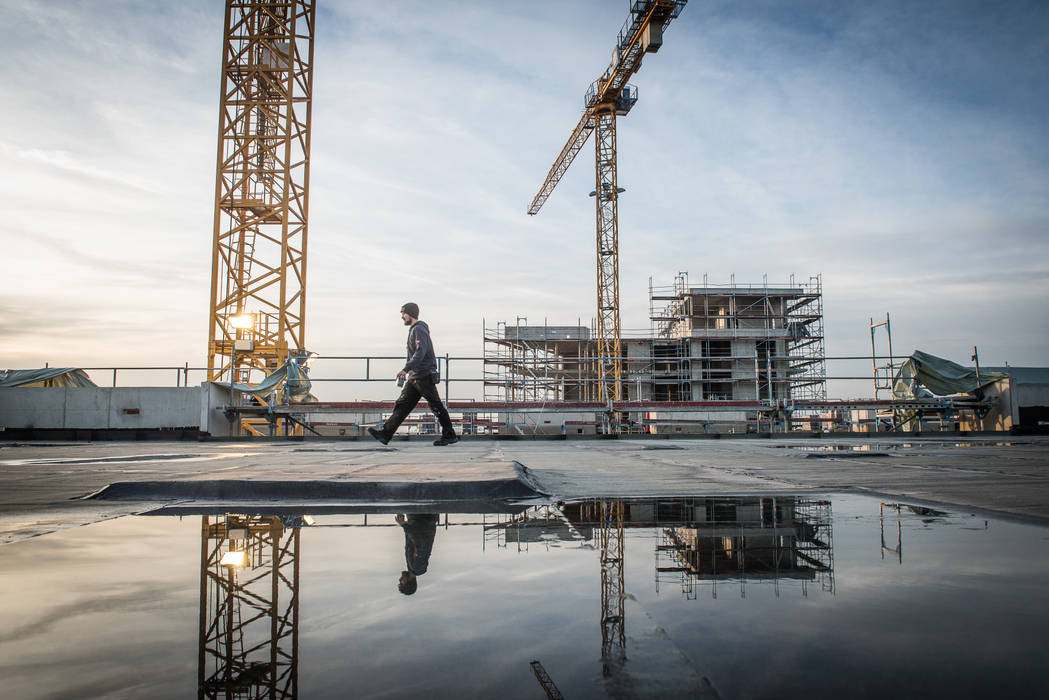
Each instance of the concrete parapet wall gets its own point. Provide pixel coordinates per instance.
(100, 408)
(346, 424)
(210, 417)
(694, 422)
(548, 423)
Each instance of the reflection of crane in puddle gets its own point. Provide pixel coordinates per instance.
(578, 522)
(609, 517)
(545, 681)
(249, 605)
(700, 540)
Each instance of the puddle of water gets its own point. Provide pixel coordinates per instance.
(827, 597)
(987, 444)
(345, 449)
(889, 446)
(879, 447)
(130, 459)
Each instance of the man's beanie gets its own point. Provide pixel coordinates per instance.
(412, 309)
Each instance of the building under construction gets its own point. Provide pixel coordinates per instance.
(706, 343)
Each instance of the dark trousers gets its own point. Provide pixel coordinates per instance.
(415, 389)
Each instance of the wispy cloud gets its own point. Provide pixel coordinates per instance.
(69, 164)
(900, 149)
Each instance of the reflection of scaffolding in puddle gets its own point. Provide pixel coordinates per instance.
(898, 549)
(927, 514)
(541, 525)
(249, 579)
(741, 540)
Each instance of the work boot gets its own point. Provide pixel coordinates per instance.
(378, 435)
(446, 441)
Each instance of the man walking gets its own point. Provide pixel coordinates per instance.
(419, 377)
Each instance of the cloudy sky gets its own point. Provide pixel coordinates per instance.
(899, 149)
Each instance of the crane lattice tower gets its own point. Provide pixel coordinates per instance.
(258, 270)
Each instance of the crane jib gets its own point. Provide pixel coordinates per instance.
(642, 33)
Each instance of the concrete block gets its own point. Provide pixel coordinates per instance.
(86, 408)
(99, 408)
(212, 419)
(153, 407)
(32, 407)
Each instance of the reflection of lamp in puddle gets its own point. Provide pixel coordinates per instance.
(234, 560)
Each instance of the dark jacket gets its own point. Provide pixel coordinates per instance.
(422, 362)
(419, 530)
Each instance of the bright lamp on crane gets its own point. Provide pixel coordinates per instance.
(242, 320)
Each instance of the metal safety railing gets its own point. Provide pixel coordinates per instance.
(468, 376)
(466, 370)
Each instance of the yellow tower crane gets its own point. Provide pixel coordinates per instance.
(258, 269)
(608, 97)
(258, 279)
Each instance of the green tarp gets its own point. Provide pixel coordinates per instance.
(923, 375)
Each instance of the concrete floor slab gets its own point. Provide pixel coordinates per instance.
(40, 482)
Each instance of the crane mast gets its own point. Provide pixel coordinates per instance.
(258, 272)
(608, 98)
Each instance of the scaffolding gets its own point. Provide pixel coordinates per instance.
(768, 336)
(542, 525)
(884, 374)
(539, 363)
(704, 343)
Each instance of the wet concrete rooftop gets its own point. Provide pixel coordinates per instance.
(42, 485)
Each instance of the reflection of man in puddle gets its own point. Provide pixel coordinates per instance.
(419, 529)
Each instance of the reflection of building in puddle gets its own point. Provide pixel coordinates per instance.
(866, 447)
(701, 540)
(763, 540)
(249, 604)
(540, 525)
